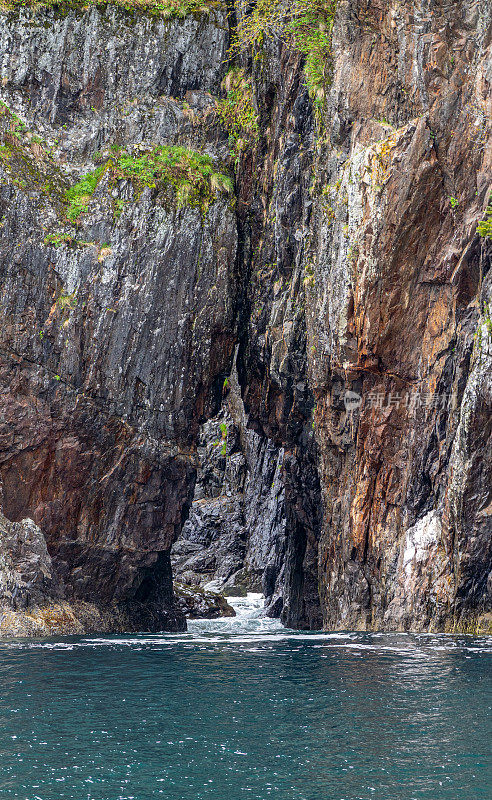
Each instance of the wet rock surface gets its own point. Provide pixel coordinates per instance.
(33, 598)
(197, 603)
(344, 468)
(235, 534)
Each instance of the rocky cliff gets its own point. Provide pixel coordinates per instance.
(251, 243)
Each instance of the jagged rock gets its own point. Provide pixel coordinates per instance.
(33, 599)
(197, 603)
(212, 544)
(27, 578)
(96, 76)
(235, 533)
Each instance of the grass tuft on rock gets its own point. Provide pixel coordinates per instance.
(485, 225)
(237, 113)
(161, 8)
(78, 196)
(190, 177)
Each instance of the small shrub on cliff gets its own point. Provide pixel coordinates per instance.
(311, 29)
(191, 176)
(67, 302)
(305, 25)
(58, 239)
(485, 226)
(237, 112)
(223, 443)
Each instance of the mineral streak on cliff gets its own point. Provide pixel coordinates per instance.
(313, 204)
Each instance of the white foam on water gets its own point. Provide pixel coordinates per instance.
(251, 626)
(250, 618)
(248, 606)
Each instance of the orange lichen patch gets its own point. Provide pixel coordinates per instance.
(57, 619)
(40, 621)
(379, 159)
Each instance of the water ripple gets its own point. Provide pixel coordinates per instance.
(243, 708)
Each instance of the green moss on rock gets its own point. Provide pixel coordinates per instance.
(161, 8)
(190, 177)
(485, 226)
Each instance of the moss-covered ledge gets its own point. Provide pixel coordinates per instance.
(186, 177)
(166, 9)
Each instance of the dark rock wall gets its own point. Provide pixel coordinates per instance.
(369, 293)
(346, 272)
(236, 533)
(112, 351)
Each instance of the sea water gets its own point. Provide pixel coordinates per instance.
(243, 709)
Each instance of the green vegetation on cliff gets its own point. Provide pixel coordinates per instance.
(485, 226)
(305, 25)
(237, 112)
(187, 177)
(79, 195)
(191, 176)
(161, 8)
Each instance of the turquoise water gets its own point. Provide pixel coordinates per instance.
(241, 708)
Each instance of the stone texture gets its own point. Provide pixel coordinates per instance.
(33, 598)
(366, 279)
(379, 261)
(89, 77)
(235, 535)
(111, 351)
(355, 487)
(201, 604)
(399, 279)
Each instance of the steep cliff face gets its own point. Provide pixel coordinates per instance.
(380, 257)
(118, 299)
(401, 289)
(347, 470)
